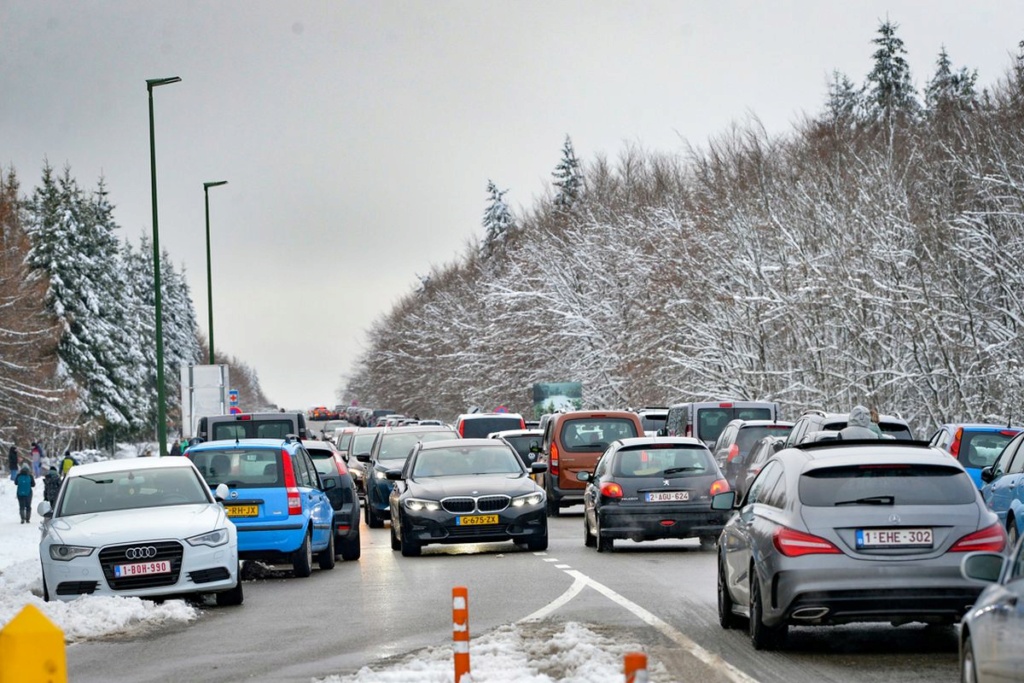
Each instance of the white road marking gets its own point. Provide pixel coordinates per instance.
(573, 590)
(563, 566)
(550, 559)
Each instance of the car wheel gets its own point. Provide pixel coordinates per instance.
(588, 538)
(302, 560)
(536, 544)
(373, 520)
(325, 560)
(604, 545)
(349, 547)
(762, 637)
(707, 542)
(727, 619)
(1011, 533)
(410, 548)
(233, 596)
(968, 674)
(552, 507)
(395, 545)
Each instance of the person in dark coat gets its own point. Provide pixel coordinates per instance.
(12, 462)
(51, 485)
(25, 483)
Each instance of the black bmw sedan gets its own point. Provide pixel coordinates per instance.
(466, 491)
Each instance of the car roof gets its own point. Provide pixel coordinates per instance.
(762, 423)
(980, 426)
(870, 452)
(652, 440)
(576, 414)
(460, 443)
(314, 443)
(846, 416)
(516, 432)
(470, 416)
(412, 429)
(122, 464)
(226, 444)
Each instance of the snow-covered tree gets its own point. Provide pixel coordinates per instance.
(498, 221)
(568, 179)
(845, 101)
(949, 91)
(890, 90)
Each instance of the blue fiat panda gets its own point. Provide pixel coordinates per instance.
(276, 500)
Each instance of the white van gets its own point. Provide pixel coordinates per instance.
(705, 420)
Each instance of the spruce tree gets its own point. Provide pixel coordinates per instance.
(498, 221)
(568, 177)
(890, 91)
(950, 91)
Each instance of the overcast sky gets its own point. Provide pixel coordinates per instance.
(357, 138)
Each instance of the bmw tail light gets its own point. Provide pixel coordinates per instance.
(290, 485)
(990, 539)
(720, 486)
(610, 489)
(793, 543)
(553, 465)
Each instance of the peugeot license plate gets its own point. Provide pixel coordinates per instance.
(473, 520)
(242, 510)
(667, 496)
(894, 538)
(142, 568)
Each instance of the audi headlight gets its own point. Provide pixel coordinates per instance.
(66, 553)
(417, 504)
(212, 539)
(529, 499)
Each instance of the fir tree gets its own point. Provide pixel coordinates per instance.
(949, 92)
(568, 179)
(890, 92)
(498, 221)
(845, 101)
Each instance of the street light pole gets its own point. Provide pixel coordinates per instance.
(161, 408)
(209, 268)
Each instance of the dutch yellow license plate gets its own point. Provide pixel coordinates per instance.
(473, 520)
(243, 510)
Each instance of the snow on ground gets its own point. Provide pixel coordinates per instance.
(527, 652)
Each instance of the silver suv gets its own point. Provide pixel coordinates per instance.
(812, 421)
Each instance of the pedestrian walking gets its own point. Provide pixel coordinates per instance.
(37, 459)
(12, 461)
(51, 485)
(66, 463)
(25, 483)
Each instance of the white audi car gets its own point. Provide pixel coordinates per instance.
(146, 527)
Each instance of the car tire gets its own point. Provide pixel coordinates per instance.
(968, 672)
(349, 547)
(410, 548)
(373, 520)
(395, 544)
(302, 559)
(707, 542)
(588, 538)
(553, 509)
(231, 597)
(537, 544)
(727, 619)
(604, 545)
(325, 559)
(1011, 533)
(762, 636)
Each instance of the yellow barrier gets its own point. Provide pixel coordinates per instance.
(32, 649)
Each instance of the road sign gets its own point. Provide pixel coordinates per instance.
(233, 397)
(235, 410)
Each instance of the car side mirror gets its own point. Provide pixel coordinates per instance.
(583, 476)
(988, 474)
(221, 493)
(393, 475)
(538, 468)
(723, 501)
(363, 457)
(44, 509)
(985, 567)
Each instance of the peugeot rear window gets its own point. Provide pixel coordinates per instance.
(661, 461)
(886, 484)
(244, 468)
(593, 434)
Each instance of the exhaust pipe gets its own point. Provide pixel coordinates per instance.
(810, 613)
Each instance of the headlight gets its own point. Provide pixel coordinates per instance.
(529, 499)
(417, 504)
(380, 474)
(66, 553)
(212, 539)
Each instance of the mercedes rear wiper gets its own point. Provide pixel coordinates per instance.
(870, 500)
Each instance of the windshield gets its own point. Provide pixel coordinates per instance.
(130, 489)
(443, 462)
(396, 447)
(658, 461)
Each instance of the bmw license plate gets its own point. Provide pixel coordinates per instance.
(242, 510)
(894, 538)
(667, 496)
(142, 568)
(473, 520)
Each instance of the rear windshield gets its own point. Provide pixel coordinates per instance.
(244, 468)
(522, 445)
(711, 421)
(980, 449)
(593, 434)
(252, 429)
(748, 436)
(362, 443)
(323, 460)
(480, 427)
(344, 440)
(886, 485)
(396, 447)
(661, 461)
(652, 423)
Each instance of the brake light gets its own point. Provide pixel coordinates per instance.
(793, 543)
(990, 539)
(1008, 432)
(954, 447)
(462, 429)
(290, 485)
(734, 450)
(725, 405)
(553, 465)
(611, 490)
(243, 418)
(341, 465)
(720, 486)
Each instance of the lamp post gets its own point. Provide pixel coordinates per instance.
(161, 408)
(209, 269)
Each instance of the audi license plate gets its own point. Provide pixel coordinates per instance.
(473, 520)
(243, 510)
(894, 538)
(142, 568)
(667, 496)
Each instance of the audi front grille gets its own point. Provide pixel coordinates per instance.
(131, 553)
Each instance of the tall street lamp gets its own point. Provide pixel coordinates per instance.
(161, 408)
(209, 269)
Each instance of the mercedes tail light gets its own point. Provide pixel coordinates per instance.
(793, 543)
(290, 485)
(990, 539)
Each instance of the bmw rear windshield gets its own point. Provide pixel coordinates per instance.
(243, 468)
(886, 484)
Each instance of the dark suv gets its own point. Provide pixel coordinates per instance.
(738, 437)
(252, 426)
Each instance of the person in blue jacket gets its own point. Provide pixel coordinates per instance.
(25, 483)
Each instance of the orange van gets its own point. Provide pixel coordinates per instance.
(573, 442)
